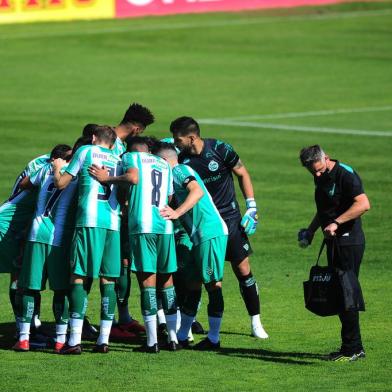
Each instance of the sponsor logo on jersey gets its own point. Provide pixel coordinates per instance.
(246, 247)
(209, 271)
(332, 190)
(213, 166)
(187, 160)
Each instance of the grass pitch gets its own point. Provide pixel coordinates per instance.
(294, 77)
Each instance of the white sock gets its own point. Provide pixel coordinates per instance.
(185, 327)
(161, 316)
(171, 322)
(104, 331)
(75, 336)
(36, 321)
(123, 314)
(24, 331)
(255, 320)
(178, 320)
(215, 324)
(61, 332)
(150, 322)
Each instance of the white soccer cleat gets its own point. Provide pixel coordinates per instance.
(259, 332)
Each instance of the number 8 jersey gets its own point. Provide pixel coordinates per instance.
(97, 204)
(53, 217)
(151, 193)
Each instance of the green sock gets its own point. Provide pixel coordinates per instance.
(123, 286)
(169, 302)
(77, 301)
(28, 299)
(60, 307)
(108, 301)
(148, 301)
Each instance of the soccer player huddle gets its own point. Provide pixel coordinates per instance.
(117, 202)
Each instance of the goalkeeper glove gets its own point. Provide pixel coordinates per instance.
(250, 219)
(305, 238)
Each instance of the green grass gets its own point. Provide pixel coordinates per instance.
(57, 77)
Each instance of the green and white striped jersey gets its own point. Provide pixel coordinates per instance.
(203, 222)
(97, 204)
(119, 147)
(150, 194)
(30, 169)
(53, 215)
(16, 212)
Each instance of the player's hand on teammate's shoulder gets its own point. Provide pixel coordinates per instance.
(250, 219)
(168, 213)
(101, 174)
(58, 163)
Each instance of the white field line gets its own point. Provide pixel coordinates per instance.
(297, 128)
(184, 26)
(308, 114)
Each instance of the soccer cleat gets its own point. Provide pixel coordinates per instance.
(154, 349)
(185, 344)
(134, 327)
(89, 332)
(71, 350)
(101, 348)
(21, 346)
(173, 346)
(341, 356)
(58, 346)
(119, 333)
(259, 332)
(162, 332)
(197, 328)
(206, 345)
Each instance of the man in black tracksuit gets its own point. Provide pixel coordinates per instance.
(340, 201)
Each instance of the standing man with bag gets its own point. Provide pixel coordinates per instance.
(340, 201)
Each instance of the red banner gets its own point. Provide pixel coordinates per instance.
(129, 8)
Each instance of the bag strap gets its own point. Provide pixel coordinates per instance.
(320, 251)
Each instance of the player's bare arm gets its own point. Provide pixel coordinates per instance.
(359, 207)
(60, 180)
(194, 195)
(244, 180)
(131, 176)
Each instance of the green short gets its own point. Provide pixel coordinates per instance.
(208, 259)
(41, 262)
(154, 253)
(96, 252)
(9, 251)
(184, 253)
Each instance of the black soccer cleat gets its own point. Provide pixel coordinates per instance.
(184, 344)
(206, 345)
(89, 332)
(341, 356)
(154, 349)
(173, 346)
(101, 348)
(71, 350)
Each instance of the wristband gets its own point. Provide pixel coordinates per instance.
(336, 222)
(250, 203)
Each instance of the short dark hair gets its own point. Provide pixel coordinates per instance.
(137, 113)
(184, 126)
(61, 151)
(106, 134)
(149, 141)
(311, 154)
(82, 141)
(89, 130)
(161, 146)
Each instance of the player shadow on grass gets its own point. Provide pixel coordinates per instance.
(291, 358)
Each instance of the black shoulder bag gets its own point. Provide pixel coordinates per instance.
(323, 291)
